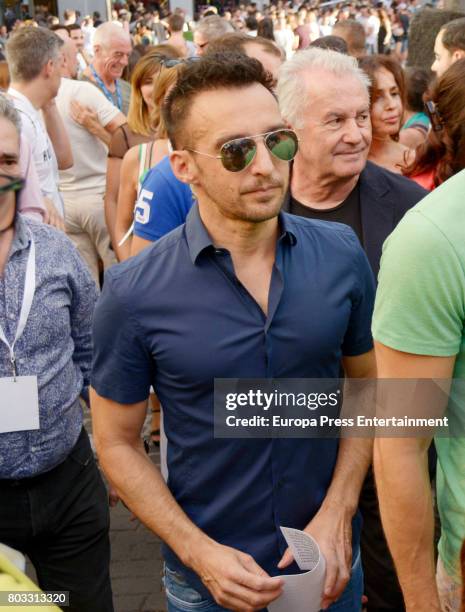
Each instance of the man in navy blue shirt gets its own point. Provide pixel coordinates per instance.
(241, 291)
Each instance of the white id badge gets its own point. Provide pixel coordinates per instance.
(19, 404)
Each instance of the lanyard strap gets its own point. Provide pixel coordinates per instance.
(29, 290)
(106, 91)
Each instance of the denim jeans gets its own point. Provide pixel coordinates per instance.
(183, 598)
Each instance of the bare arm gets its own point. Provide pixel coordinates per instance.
(58, 135)
(88, 118)
(404, 489)
(332, 525)
(111, 194)
(126, 199)
(138, 244)
(233, 578)
(115, 123)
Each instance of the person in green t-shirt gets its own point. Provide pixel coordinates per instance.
(418, 326)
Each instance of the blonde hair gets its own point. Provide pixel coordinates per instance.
(139, 119)
(166, 80)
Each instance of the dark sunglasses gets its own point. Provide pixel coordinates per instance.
(434, 116)
(237, 154)
(10, 183)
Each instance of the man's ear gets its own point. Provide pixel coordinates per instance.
(458, 54)
(184, 166)
(48, 69)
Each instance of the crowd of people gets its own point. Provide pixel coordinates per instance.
(261, 194)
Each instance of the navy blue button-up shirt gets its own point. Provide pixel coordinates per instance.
(176, 317)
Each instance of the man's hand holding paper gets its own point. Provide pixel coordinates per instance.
(331, 528)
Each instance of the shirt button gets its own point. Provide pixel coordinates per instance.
(21, 360)
(11, 316)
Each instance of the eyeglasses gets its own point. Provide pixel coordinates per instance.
(10, 183)
(434, 116)
(237, 154)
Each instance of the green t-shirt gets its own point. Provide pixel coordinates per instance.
(420, 309)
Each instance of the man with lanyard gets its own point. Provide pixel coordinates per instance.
(238, 291)
(112, 47)
(53, 501)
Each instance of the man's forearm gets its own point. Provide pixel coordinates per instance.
(142, 488)
(404, 492)
(101, 133)
(353, 460)
(58, 135)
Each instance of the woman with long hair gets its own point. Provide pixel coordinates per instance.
(387, 99)
(140, 159)
(443, 153)
(384, 32)
(139, 127)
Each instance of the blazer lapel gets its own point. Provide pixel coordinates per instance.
(377, 213)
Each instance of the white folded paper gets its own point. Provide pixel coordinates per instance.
(302, 592)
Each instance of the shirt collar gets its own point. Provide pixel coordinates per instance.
(198, 239)
(22, 237)
(17, 95)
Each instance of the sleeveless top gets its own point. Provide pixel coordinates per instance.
(145, 149)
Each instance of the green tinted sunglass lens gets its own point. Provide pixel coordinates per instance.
(283, 145)
(238, 154)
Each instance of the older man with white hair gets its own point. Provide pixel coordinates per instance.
(90, 120)
(324, 96)
(112, 48)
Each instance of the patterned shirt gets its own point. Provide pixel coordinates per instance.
(55, 345)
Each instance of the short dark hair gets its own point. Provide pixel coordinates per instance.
(73, 26)
(353, 33)
(175, 23)
(334, 43)
(58, 26)
(453, 35)
(417, 81)
(251, 22)
(212, 72)
(235, 42)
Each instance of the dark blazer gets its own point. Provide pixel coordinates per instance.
(385, 197)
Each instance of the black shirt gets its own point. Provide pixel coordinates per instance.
(347, 212)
